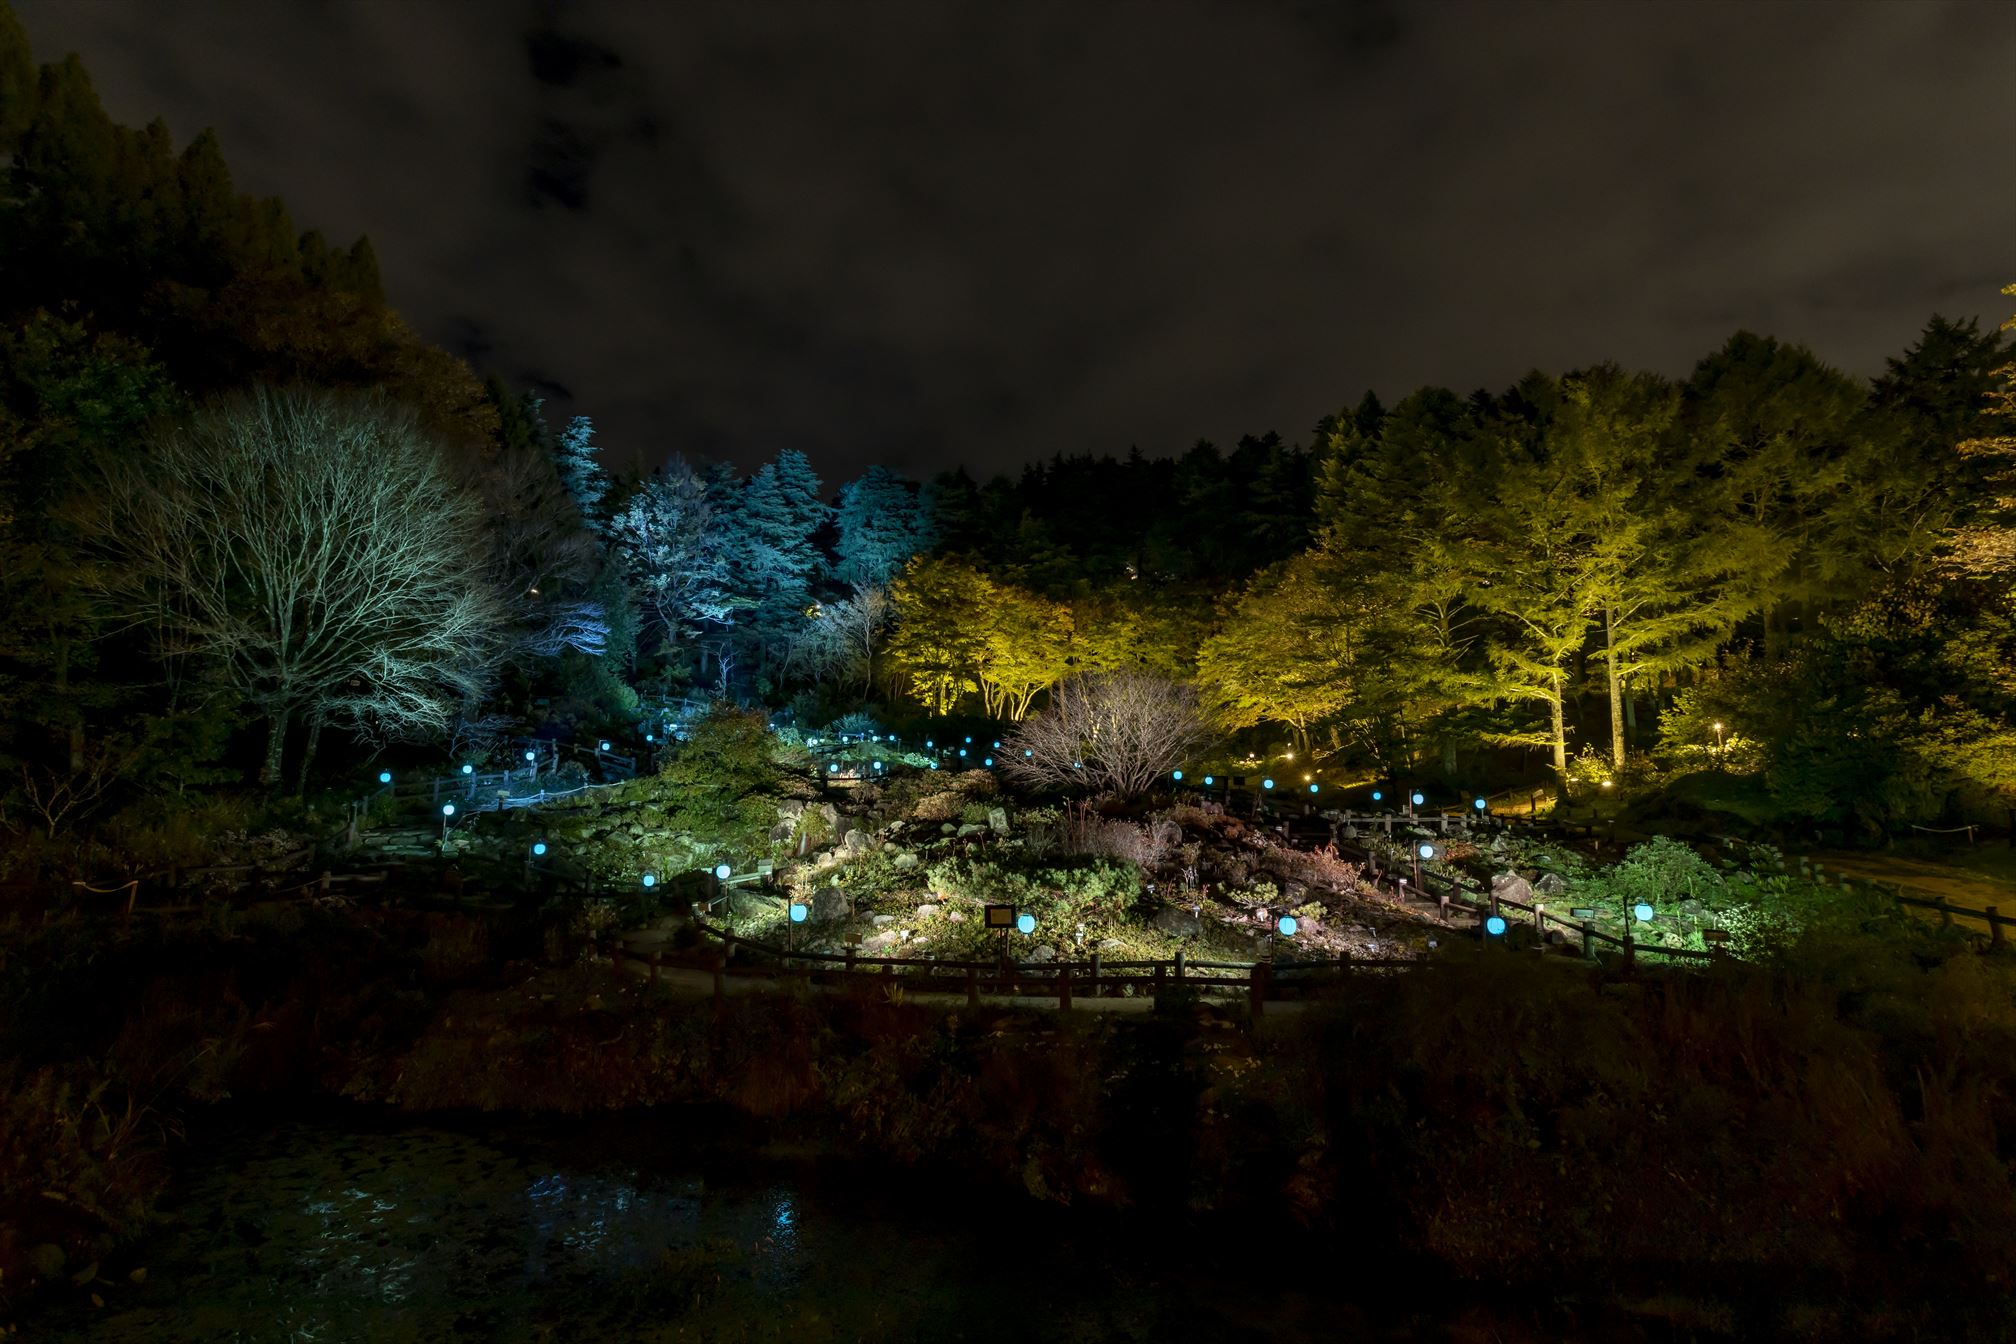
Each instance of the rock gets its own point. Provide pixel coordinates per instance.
(1177, 922)
(780, 834)
(47, 1259)
(1041, 952)
(1110, 944)
(997, 820)
(955, 916)
(947, 828)
(1512, 887)
(881, 942)
(828, 904)
(971, 828)
(827, 813)
(1295, 893)
(856, 842)
(880, 920)
(1551, 884)
(926, 910)
(905, 860)
(790, 810)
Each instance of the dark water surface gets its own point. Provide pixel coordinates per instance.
(350, 1229)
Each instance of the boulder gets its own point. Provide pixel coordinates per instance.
(880, 920)
(828, 904)
(1178, 922)
(856, 842)
(1512, 887)
(876, 943)
(1551, 884)
(926, 910)
(780, 834)
(1294, 892)
(947, 828)
(1110, 945)
(1042, 952)
(997, 820)
(790, 810)
(970, 829)
(955, 916)
(905, 860)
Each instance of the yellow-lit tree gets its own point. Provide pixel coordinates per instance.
(1027, 650)
(943, 609)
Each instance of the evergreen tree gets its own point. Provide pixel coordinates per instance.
(882, 523)
(581, 471)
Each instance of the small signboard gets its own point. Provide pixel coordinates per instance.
(1714, 935)
(1000, 917)
(1582, 912)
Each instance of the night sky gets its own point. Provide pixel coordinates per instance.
(986, 232)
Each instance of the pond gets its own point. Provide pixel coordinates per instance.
(349, 1229)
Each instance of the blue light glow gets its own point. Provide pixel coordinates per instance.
(1315, 788)
(1175, 774)
(1427, 851)
(1208, 780)
(1420, 799)
(447, 809)
(468, 769)
(832, 767)
(1495, 925)
(1287, 925)
(530, 755)
(384, 776)
(650, 879)
(989, 762)
(1642, 913)
(1266, 783)
(798, 913)
(602, 746)
(1377, 794)
(1480, 804)
(962, 751)
(1025, 923)
(721, 871)
(538, 847)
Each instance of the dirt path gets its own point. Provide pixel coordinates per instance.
(1982, 879)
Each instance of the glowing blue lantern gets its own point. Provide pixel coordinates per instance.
(1025, 923)
(721, 871)
(997, 746)
(798, 912)
(1419, 799)
(1027, 752)
(1479, 804)
(1208, 781)
(832, 767)
(384, 776)
(1314, 788)
(447, 809)
(989, 762)
(650, 737)
(878, 765)
(1176, 774)
(962, 751)
(602, 746)
(1642, 913)
(1377, 794)
(1427, 851)
(531, 755)
(927, 741)
(934, 765)
(1495, 925)
(538, 848)
(468, 769)
(1266, 783)
(650, 879)
(1287, 925)
(969, 742)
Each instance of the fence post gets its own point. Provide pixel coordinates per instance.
(1540, 923)
(972, 988)
(1344, 964)
(657, 961)
(1095, 975)
(1158, 978)
(1259, 990)
(1179, 965)
(1945, 912)
(1630, 948)
(850, 958)
(1588, 942)
(1064, 986)
(1994, 914)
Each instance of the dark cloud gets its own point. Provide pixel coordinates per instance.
(965, 231)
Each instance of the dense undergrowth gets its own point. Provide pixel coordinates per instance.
(1825, 1139)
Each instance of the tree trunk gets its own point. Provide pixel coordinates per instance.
(1616, 689)
(1554, 709)
(308, 754)
(1449, 755)
(276, 746)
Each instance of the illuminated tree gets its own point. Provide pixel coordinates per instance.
(882, 522)
(1985, 544)
(942, 608)
(312, 550)
(839, 639)
(1027, 649)
(581, 470)
(1284, 653)
(671, 546)
(1118, 732)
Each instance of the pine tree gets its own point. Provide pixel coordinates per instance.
(581, 470)
(882, 523)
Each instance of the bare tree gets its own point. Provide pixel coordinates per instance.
(312, 547)
(839, 642)
(1115, 732)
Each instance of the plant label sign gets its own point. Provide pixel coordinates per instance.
(1000, 917)
(1582, 912)
(1714, 935)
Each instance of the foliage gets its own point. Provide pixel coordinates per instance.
(1117, 732)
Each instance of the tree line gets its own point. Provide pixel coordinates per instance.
(242, 506)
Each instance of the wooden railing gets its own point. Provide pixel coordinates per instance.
(1259, 981)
